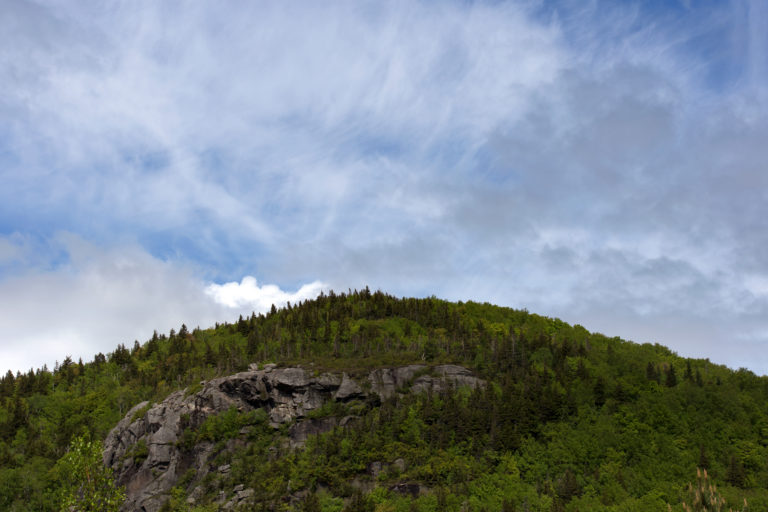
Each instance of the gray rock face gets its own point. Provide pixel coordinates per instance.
(301, 430)
(386, 381)
(348, 389)
(142, 449)
(442, 376)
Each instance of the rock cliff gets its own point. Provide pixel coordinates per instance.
(143, 449)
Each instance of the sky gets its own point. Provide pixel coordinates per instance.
(187, 162)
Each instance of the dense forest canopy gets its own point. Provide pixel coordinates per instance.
(570, 420)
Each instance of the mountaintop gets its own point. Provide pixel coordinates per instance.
(362, 401)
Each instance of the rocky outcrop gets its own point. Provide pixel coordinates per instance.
(386, 382)
(348, 389)
(143, 448)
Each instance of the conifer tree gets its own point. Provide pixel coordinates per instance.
(671, 380)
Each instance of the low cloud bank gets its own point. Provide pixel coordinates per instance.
(94, 298)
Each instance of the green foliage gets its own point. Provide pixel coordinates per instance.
(140, 412)
(86, 484)
(227, 424)
(570, 420)
(359, 502)
(177, 502)
(139, 452)
(311, 504)
(193, 388)
(332, 408)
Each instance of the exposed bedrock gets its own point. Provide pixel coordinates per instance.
(143, 450)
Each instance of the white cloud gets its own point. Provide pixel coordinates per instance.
(573, 158)
(287, 100)
(100, 297)
(248, 294)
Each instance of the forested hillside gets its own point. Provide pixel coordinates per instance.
(569, 420)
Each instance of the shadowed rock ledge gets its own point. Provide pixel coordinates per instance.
(143, 448)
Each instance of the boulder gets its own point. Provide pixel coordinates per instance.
(290, 378)
(348, 389)
(375, 468)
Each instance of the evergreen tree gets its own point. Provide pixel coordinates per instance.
(703, 459)
(599, 392)
(242, 326)
(7, 384)
(651, 373)
(671, 380)
(735, 474)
